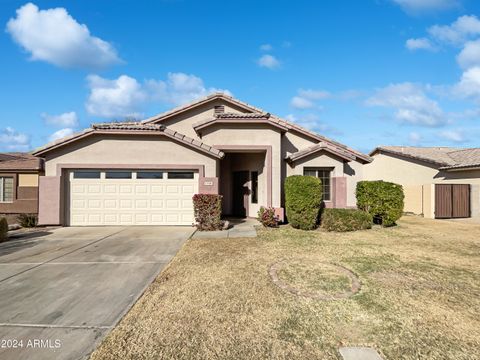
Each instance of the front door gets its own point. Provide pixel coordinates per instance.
(240, 193)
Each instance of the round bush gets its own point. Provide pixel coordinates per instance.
(342, 220)
(383, 200)
(267, 217)
(303, 198)
(3, 229)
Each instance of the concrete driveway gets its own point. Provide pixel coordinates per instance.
(63, 290)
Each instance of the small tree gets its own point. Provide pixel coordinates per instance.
(383, 200)
(303, 199)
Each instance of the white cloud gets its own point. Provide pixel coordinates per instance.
(469, 85)
(61, 134)
(456, 136)
(422, 6)
(414, 138)
(470, 55)
(305, 98)
(12, 140)
(411, 104)
(126, 97)
(312, 122)
(268, 61)
(458, 32)
(56, 37)
(266, 47)
(419, 44)
(68, 119)
(299, 102)
(120, 97)
(313, 94)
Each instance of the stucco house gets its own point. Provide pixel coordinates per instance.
(145, 173)
(19, 173)
(439, 182)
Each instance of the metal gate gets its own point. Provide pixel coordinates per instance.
(452, 201)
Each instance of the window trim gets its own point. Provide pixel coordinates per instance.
(14, 188)
(330, 171)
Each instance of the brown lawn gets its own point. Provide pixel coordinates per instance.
(419, 297)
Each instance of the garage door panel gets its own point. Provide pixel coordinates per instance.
(132, 201)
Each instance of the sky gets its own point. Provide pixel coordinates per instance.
(363, 72)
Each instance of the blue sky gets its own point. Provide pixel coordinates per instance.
(370, 72)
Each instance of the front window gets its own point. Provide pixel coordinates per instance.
(325, 176)
(6, 189)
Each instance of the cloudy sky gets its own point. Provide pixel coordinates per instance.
(370, 72)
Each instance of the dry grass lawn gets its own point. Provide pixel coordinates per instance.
(420, 297)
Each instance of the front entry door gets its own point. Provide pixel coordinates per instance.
(240, 193)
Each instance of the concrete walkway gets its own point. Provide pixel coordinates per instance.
(239, 228)
(359, 353)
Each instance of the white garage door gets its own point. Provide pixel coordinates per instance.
(126, 197)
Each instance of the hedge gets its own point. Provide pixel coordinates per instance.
(383, 200)
(208, 211)
(342, 220)
(267, 217)
(303, 199)
(3, 229)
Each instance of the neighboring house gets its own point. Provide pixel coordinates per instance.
(439, 182)
(19, 175)
(145, 173)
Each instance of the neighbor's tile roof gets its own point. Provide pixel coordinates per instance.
(444, 157)
(129, 127)
(19, 161)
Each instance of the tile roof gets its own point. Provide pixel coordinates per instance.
(242, 115)
(321, 147)
(253, 109)
(446, 158)
(258, 118)
(128, 127)
(19, 161)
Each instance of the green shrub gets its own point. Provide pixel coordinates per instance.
(208, 211)
(383, 200)
(303, 199)
(342, 220)
(3, 229)
(267, 217)
(27, 220)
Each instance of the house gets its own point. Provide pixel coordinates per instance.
(439, 182)
(145, 173)
(19, 174)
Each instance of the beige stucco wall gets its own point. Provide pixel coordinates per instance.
(417, 178)
(352, 170)
(183, 123)
(130, 149)
(28, 180)
(258, 134)
(293, 142)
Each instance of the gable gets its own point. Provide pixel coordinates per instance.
(184, 121)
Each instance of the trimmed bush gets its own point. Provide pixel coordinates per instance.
(303, 199)
(3, 229)
(342, 220)
(267, 217)
(383, 200)
(208, 211)
(27, 220)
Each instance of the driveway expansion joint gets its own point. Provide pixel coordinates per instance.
(52, 326)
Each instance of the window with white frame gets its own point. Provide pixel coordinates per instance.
(6, 189)
(325, 175)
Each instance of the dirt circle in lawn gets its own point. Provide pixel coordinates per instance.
(313, 279)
